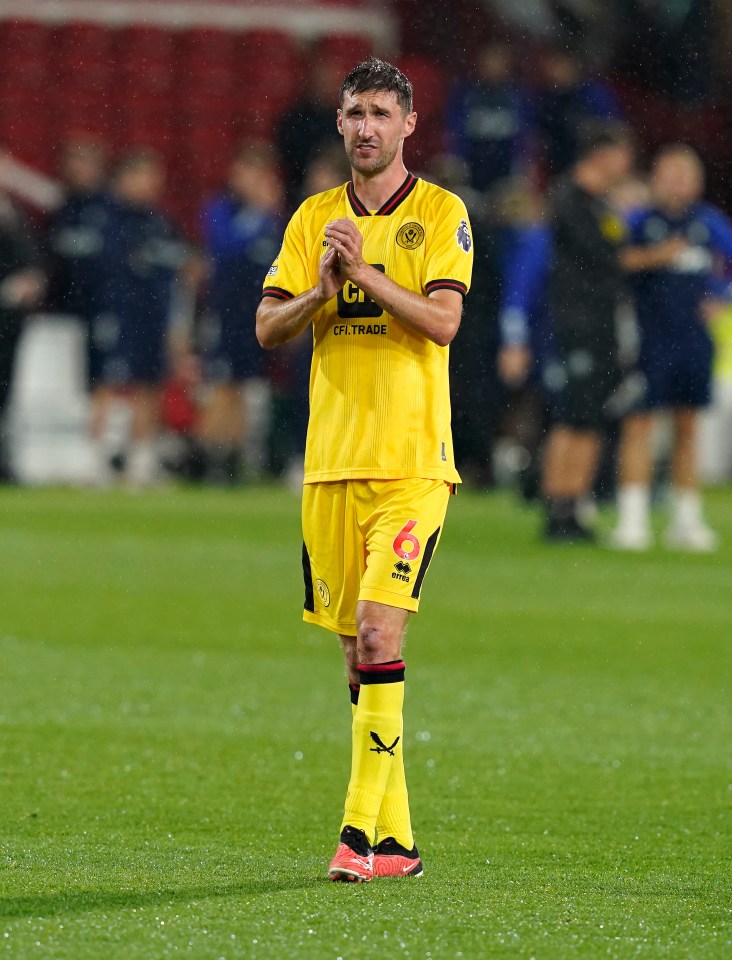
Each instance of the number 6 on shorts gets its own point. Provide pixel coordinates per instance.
(406, 546)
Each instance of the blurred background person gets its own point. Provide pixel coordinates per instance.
(569, 99)
(73, 239)
(22, 284)
(589, 256)
(242, 232)
(524, 332)
(489, 118)
(675, 351)
(308, 126)
(140, 259)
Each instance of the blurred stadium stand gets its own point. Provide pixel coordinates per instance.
(190, 79)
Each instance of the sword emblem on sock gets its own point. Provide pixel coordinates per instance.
(381, 747)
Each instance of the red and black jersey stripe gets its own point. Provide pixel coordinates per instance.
(278, 293)
(446, 284)
(398, 197)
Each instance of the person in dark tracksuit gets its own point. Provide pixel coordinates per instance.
(590, 257)
(73, 241)
(140, 259)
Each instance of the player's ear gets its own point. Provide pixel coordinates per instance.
(410, 122)
(339, 121)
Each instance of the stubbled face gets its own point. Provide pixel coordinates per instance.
(677, 181)
(373, 126)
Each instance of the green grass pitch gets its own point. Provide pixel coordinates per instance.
(174, 741)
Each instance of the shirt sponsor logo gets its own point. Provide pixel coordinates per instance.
(353, 302)
(356, 329)
(410, 236)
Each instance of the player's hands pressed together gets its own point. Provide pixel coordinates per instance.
(330, 275)
(436, 317)
(345, 239)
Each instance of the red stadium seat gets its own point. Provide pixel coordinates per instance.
(274, 46)
(25, 129)
(345, 50)
(430, 86)
(24, 38)
(202, 45)
(84, 41)
(146, 59)
(83, 111)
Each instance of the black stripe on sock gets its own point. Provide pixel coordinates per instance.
(379, 673)
(307, 574)
(429, 549)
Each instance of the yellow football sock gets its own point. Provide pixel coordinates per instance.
(394, 819)
(376, 742)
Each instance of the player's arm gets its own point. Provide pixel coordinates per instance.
(281, 320)
(657, 255)
(436, 316)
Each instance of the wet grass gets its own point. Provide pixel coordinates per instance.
(174, 741)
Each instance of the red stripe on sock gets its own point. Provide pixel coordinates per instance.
(390, 667)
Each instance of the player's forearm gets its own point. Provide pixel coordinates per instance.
(428, 316)
(281, 320)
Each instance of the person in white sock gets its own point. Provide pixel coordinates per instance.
(675, 355)
(687, 529)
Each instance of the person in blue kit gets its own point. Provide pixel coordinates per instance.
(137, 268)
(524, 351)
(242, 233)
(73, 240)
(489, 119)
(675, 355)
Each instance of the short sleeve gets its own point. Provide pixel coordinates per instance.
(448, 263)
(289, 275)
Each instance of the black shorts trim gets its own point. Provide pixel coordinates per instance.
(429, 549)
(307, 574)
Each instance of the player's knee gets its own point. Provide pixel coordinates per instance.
(377, 642)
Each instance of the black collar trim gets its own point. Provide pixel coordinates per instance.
(398, 197)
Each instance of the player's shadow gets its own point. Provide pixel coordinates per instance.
(84, 901)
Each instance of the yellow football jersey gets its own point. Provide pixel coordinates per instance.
(379, 394)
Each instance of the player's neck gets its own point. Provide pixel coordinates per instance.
(373, 191)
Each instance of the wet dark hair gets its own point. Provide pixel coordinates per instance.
(375, 74)
(601, 134)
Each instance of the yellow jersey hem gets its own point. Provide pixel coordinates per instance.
(329, 476)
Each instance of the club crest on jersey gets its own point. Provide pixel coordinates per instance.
(462, 235)
(410, 236)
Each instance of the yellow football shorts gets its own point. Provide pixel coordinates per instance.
(368, 540)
